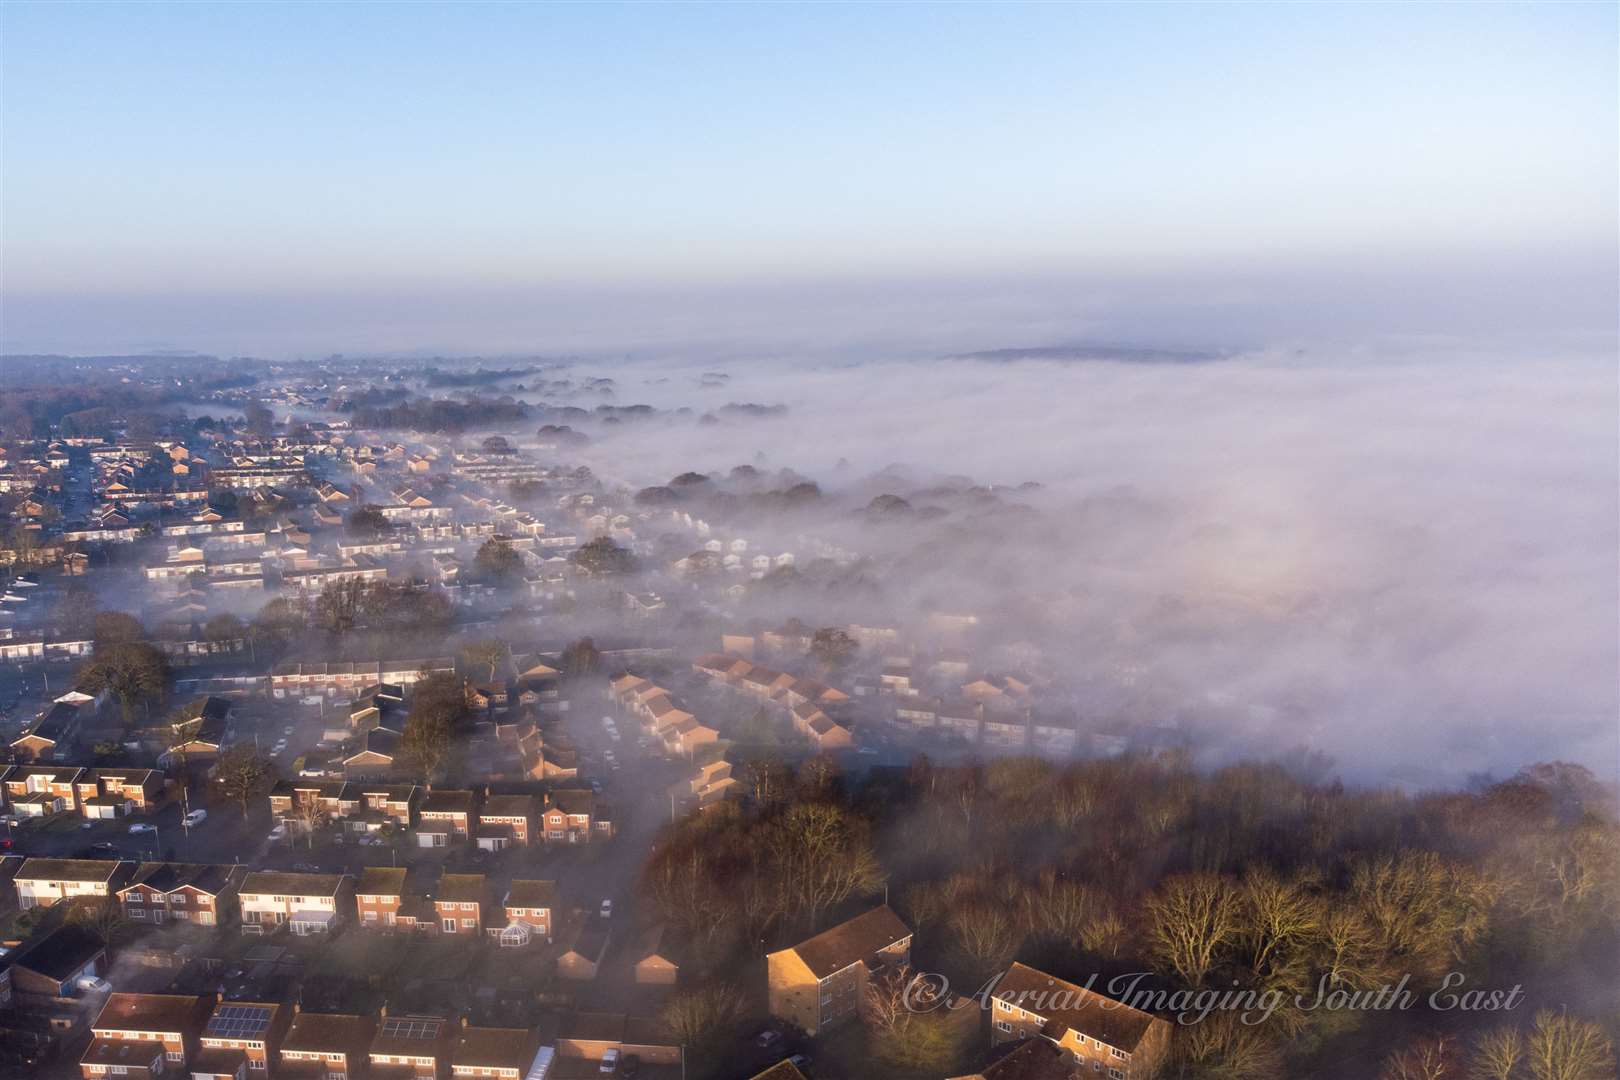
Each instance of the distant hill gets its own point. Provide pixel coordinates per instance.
(1116, 353)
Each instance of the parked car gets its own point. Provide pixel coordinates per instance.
(607, 909)
(141, 827)
(195, 818)
(610, 1061)
(767, 1038)
(800, 1062)
(277, 833)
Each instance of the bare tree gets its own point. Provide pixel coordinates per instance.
(1498, 1053)
(1430, 1057)
(1563, 1047)
(243, 775)
(1190, 920)
(700, 1018)
(490, 653)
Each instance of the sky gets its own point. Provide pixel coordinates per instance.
(276, 178)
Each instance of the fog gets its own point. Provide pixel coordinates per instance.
(1400, 556)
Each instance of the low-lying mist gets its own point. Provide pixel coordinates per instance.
(1404, 558)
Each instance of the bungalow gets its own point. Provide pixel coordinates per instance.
(142, 1036)
(378, 749)
(325, 1046)
(304, 903)
(821, 981)
(505, 821)
(528, 905)
(581, 960)
(655, 963)
(200, 893)
(47, 969)
(1091, 1029)
(52, 733)
(44, 882)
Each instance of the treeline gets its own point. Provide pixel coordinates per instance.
(439, 415)
(1248, 879)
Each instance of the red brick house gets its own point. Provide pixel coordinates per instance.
(201, 893)
(145, 1036)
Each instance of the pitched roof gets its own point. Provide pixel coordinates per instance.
(290, 883)
(69, 870)
(525, 893)
(155, 1012)
(61, 952)
(852, 941)
(327, 1031)
(1089, 1013)
(381, 881)
(499, 1048)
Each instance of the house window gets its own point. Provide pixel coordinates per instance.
(1115, 1074)
(1003, 1025)
(1116, 1052)
(470, 924)
(176, 1055)
(449, 926)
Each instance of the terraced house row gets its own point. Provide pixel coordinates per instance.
(151, 1036)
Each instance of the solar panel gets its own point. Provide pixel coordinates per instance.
(405, 1027)
(239, 1021)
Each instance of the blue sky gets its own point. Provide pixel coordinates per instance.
(265, 150)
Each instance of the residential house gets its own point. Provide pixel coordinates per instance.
(145, 1036)
(241, 1040)
(505, 821)
(528, 905)
(821, 981)
(47, 969)
(1093, 1030)
(570, 816)
(582, 959)
(112, 793)
(655, 963)
(378, 896)
(43, 882)
(42, 790)
(370, 805)
(445, 817)
(304, 903)
(53, 734)
(325, 1046)
(458, 904)
(486, 1053)
(201, 893)
(408, 1047)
